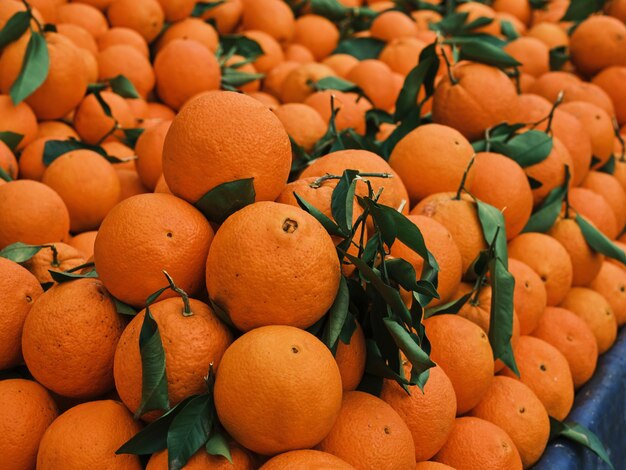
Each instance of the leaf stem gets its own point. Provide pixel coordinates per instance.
(109, 133)
(451, 76)
(550, 116)
(318, 182)
(29, 10)
(55, 256)
(187, 305)
(462, 185)
(620, 138)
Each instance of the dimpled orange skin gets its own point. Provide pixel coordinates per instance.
(19, 290)
(39, 215)
(191, 344)
(149, 149)
(530, 297)
(67, 257)
(168, 233)
(370, 435)
(442, 155)
(611, 284)
(83, 242)
(429, 415)
(202, 152)
(87, 436)
(26, 410)
(201, 460)
(272, 263)
(351, 359)
(306, 458)
(80, 364)
(461, 348)
(296, 396)
(515, 408)
(145, 16)
(303, 123)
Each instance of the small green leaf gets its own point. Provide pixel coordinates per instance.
(233, 78)
(452, 24)
(485, 53)
(404, 274)
(53, 149)
(201, 7)
(122, 86)
(581, 435)
(508, 30)
(189, 430)
(422, 74)
(501, 317)
(20, 252)
(477, 23)
(131, 135)
(609, 166)
(449, 307)
(227, 198)
(579, 10)
(361, 48)
(62, 277)
(240, 45)
(492, 223)
(218, 445)
(14, 28)
(331, 227)
(336, 83)
(34, 69)
(331, 9)
(598, 241)
(337, 315)
(342, 200)
(11, 139)
(4, 175)
(124, 309)
(558, 57)
(527, 148)
(543, 219)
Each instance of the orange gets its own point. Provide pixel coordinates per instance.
(225, 15)
(514, 407)
(149, 149)
(295, 377)
(429, 415)
(31, 161)
(298, 53)
(350, 108)
(83, 242)
(73, 365)
(477, 443)
(118, 150)
(553, 11)
(351, 359)
(611, 190)
(239, 63)
(161, 186)
(441, 244)
(551, 171)
(317, 34)
(611, 284)
(533, 54)
(79, 36)
(459, 216)
(549, 259)
(530, 297)
(611, 80)
(479, 10)
(391, 25)
(550, 84)
(144, 16)
(19, 119)
(126, 60)
(550, 34)
(307, 458)
(273, 17)
(616, 9)
(7, 161)
(124, 36)
(177, 10)
(88, 185)
(93, 125)
(65, 84)
(461, 348)
(202, 460)
(19, 290)
(26, 411)
(88, 435)
(296, 86)
(429, 465)
(502, 183)
(272, 52)
(424, 18)
(178, 237)
(159, 111)
(86, 16)
(38, 215)
(402, 54)
(341, 63)
(546, 372)
(56, 129)
(595, 209)
(520, 9)
(369, 434)
(573, 338)
(265, 98)
(66, 258)
(303, 123)
(596, 311)
(191, 343)
(598, 42)
(590, 93)
(373, 76)
(190, 28)
(130, 184)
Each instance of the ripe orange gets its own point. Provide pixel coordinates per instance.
(126, 36)
(429, 465)
(550, 84)
(390, 25)
(373, 77)
(149, 149)
(274, 78)
(272, 52)
(158, 111)
(31, 160)
(611, 284)
(83, 15)
(477, 10)
(177, 10)
(225, 15)
(196, 162)
(530, 297)
(93, 125)
(84, 242)
(369, 434)
(143, 16)
(303, 123)
(296, 86)
(341, 63)
(598, 42)
(317, 34)
(429, 415)
(56, 129)
(191, 343)
(79, 36)
(573, 338)
(67, 258)
(589, 93)
(130, 184)
(88, 435)
(595, 209)
(611, 80)
(26, 411)
(477, 443)
(551, 34)
(307, 458)
(273, 17)
(125, 60)
(298, 53)
(520, 9)
(351, 359)
(553, 11)
(178, 237)
(202, 460)
(609, 187)
(296, 378)
(19, 119)
(402, 54)
(533, 54)
(350, 108)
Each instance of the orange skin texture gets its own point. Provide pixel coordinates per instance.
(270, 16)
(265, 98)
(432, 159)
(596, 311)
(501, 182)
(550, 84)
(586, 262)
(589, 93)
(55, 129)
(191, 343)
(482, 97)
(550, 34)
(351, 109)
(597, 43)
(520, 9)
(85, 16)
(609, 187)
(551, 171)
(92, 124)
(19, 290)
(298, 53)
(515, 408)
(68, 257)
(306, 458)
(530, 297)
(461, 220)
(611, 284)
(549, 259)
(370, 434)
(616, 9)
(272, 52)
(429, 415)
(177, 10)
(79, 365)
(302, 256)
(428, 465)
(351, 360)
(178, 237)
(402, 54)
(613, 81)
(201, 460)
(88, 185)
(190, 28)
(144, 16)
(149, 150)
(84, 242)
(373, 77)
(19, 119)
(38, 214)
(65, 84)
(461, 348)
(477, 443)
(79, 36)
(593, 207)
(31, 161)
(87, 436)
(159, 111)
(341, 63)
(226, 15)
(424, 18)
(302, 123)
(195, 161)
(441, 244)
(533, 54)
(130, 184)
(295, 86)
(128, 61)
(392, 25)
(317, 34)
(546, 372)
(7, 161)
(27, 409)
(573, 338)
(289, 410)
(125, 36)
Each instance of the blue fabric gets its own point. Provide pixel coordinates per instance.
(601, 407)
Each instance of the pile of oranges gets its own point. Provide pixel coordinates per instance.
(317, 234)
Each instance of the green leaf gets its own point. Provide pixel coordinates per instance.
(558, 57)
(507, 29)
(404, 274)
(331, 227)
(233, 78)
(336, 83)
(361, 48)
(581, 435)
(421, 74)
(477, 23)
(4, 175)
(492, 223)
(218, 445)
(501, 317)
(53, 149)
(331, 9)
(598, 241)
(124, 309)
(579, 10)
(62, 277)
(240, 45)
(376, 365)
(14, 28)
(449, 307)
(342, 200)
(34, 69)
(106, 109)
(227, 198)
(154, 394)
(11, 139)
(20, 252)
(543, 219)
(451, 24)
(337, 315)
(131, 135)
(609, 166)
(485, 53)
(201, 7)
(189, 430)
(528, 148)
(122, 86)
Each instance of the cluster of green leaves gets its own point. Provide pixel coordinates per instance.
(348, 19)
(247, 48)
(202, 7)
(579, 10)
